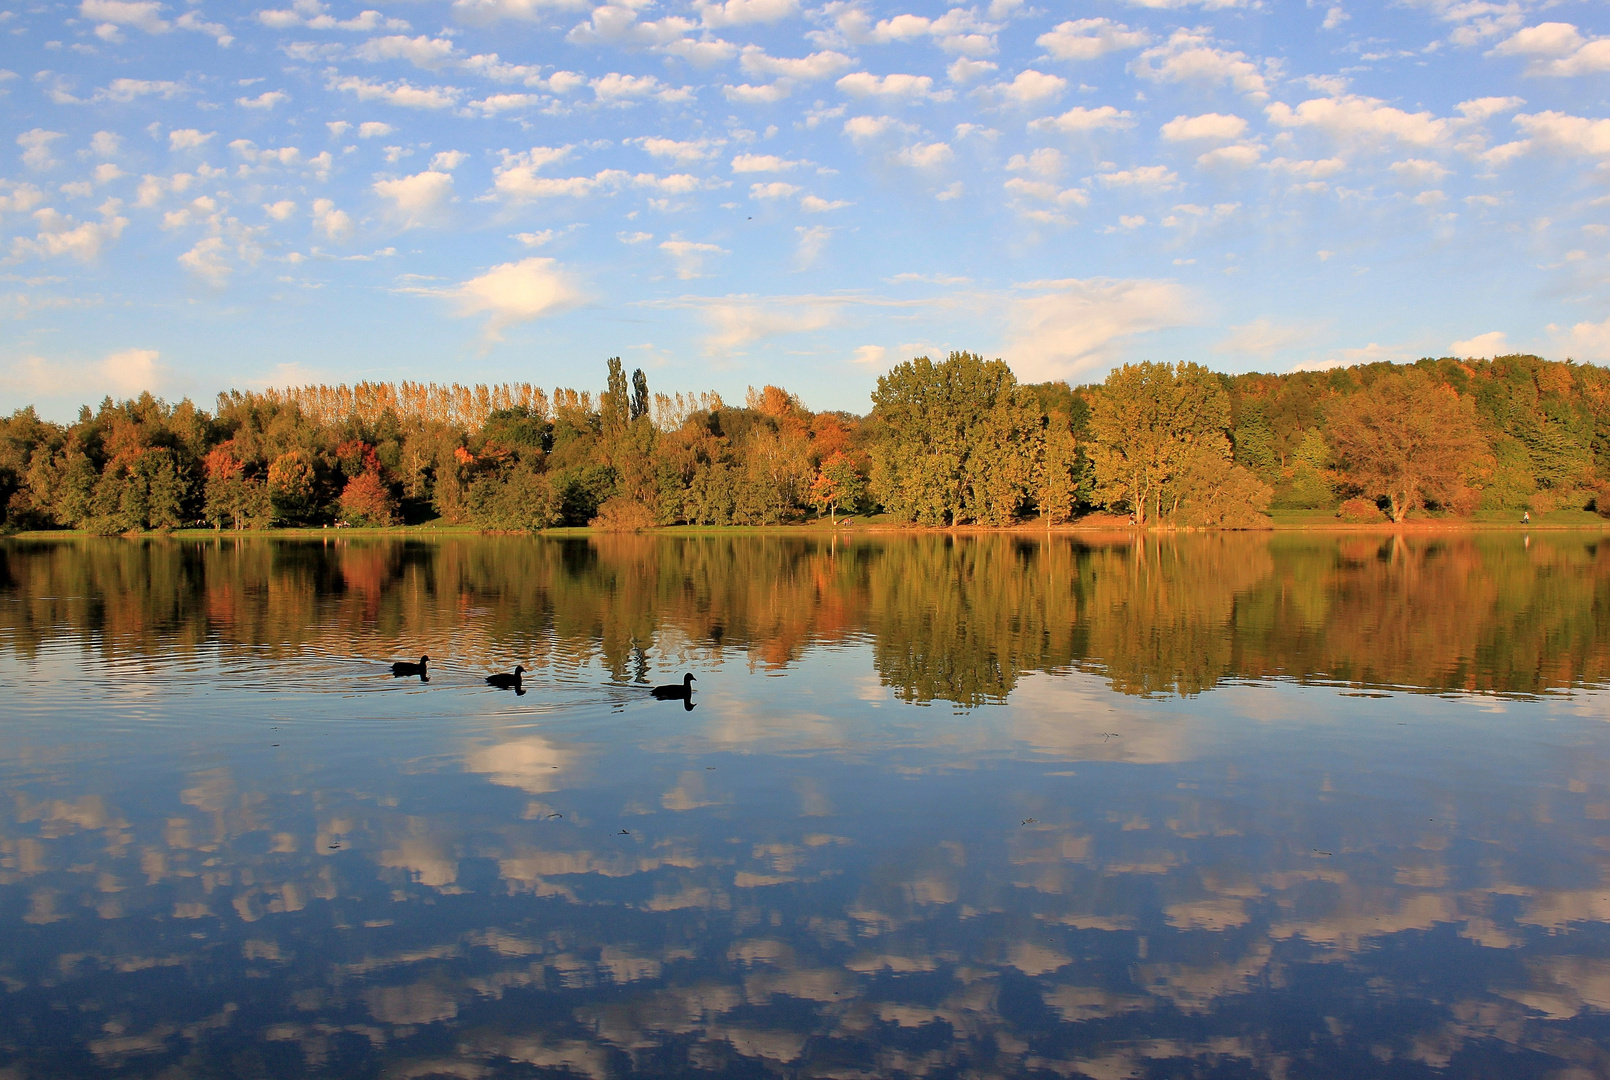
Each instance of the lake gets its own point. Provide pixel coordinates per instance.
(1290, 805)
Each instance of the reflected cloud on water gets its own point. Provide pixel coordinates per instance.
(1124, 839)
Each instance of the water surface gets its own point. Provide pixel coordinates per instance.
(1215, 806)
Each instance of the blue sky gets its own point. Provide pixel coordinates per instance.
(197, 196)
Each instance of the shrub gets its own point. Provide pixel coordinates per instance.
(622, 514)
(1357, 511)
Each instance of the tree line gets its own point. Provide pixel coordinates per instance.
(947, 443)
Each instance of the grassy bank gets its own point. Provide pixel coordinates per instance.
(1282, 521)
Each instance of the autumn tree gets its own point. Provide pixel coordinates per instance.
(1409, 440)
(838, 484)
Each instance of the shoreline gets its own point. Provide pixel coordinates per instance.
(1107, 526)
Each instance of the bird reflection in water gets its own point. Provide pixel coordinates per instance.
(508, 681)
(405, 669)
(682, 691)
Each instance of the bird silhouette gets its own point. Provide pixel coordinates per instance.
(403, 668)
(508, 682)
(682, 691)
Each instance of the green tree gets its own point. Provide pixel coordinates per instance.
(1057, 475)
(1149, 421)
(956, 441)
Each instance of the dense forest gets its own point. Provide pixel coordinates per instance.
(946, 443)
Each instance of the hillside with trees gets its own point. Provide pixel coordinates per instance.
(953, 442)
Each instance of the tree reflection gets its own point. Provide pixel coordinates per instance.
(955, 619)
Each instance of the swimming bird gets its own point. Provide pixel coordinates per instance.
(682, 691)
(507, 682)
(403, 668)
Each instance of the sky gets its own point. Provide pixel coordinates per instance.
(198, 196)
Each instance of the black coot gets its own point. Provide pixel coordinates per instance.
(507, 682)
(682, 691)
(403, 668)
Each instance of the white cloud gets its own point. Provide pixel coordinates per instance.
(811, 204)
(1206, 126)
(744, 12)
(517, 176)
(500, 103)
(481, 12)
(1076, 327)
(1043, 201)
(1561, 131)
(1030, 87)
(1585, 341)
(265, 101)
(1363, 123)
(334, 224)
(105, 144)
(689, 256)
(36, 148)
(131, 371)
(1239, 156)
(963, 70)
(616, 88)
(739, 321)
(1493, 343)
(770, 94)
(16, 198)
(706, 52)
(141, 14)
(1557, 49)
(1419, 171)
(812, 241)
(1265, 337)
(59, 234)
(217, 31)
(1046, 162)
(870, 355)
(188, 139)
(280, 211)
(683, 152)
(206, 261)
(513, 293)
(314, 15)
(866, 128)
(1157, 177)
(402, 94)
(423, 51)
(1079, 120)
(1176, 5)
(1089, 39)
(753, 163)
(1320, 169)
(617, 24)
(897, 87)
(775, 190)
(127, 90)
(419, 199)
(1191, 56)
(816, 66)
(374, 129)
(925, 155)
